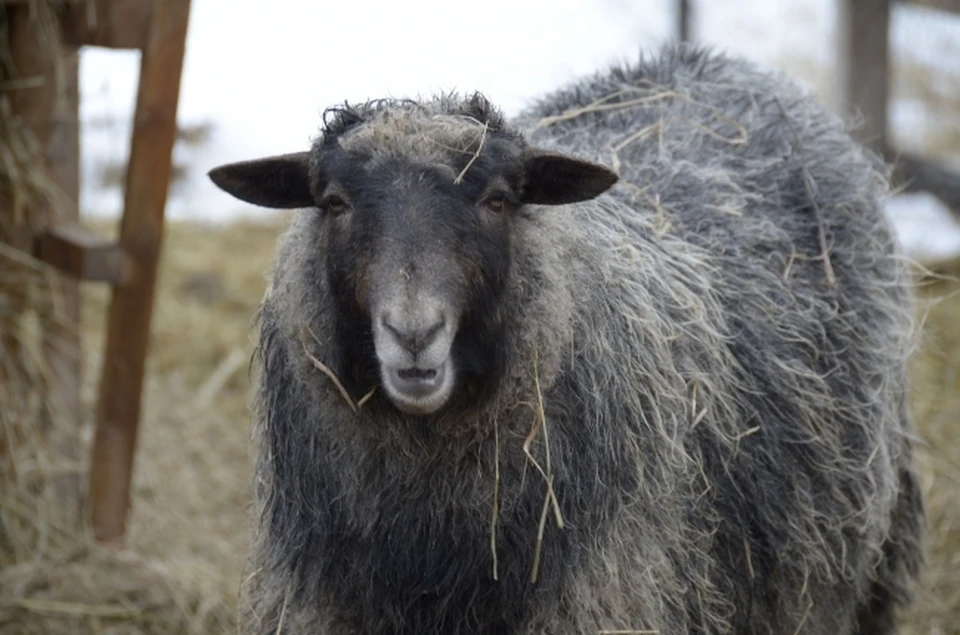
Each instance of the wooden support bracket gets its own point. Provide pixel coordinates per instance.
(82, 254)
(920, 175)
(117, 24)
(951, 6)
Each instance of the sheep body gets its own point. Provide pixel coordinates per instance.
(707, 363)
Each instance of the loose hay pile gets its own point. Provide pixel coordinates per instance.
(187, 532)
(935, 402)
(53, 578)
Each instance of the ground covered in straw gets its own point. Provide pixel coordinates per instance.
(187, 534)
(187, 531)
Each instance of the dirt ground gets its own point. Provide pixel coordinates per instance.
(188, 528)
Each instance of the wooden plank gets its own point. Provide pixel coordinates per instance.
(82, 254)
(119, 24)
(141, 234)
(920, 175)
(56, 4)
(864, 32)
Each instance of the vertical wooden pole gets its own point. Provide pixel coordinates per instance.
(141, 234)
(684, 20)
(864, 38)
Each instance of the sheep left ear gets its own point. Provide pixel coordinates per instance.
(556, 179)
(280, 182)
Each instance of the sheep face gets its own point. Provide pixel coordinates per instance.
(420, 257)
(417, 217)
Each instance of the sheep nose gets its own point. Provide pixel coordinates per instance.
(414, 338)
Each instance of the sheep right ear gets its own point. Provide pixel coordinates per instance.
(557, 179)
(280, 182)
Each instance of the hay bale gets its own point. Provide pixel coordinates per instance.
(33, 302)
(53, 577)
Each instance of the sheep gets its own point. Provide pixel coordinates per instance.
(630, 361)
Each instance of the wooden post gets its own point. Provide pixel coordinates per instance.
(864, 33)
(141, 234)
(916, 174)
(684, 20)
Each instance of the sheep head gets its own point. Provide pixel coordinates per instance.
(418, 206)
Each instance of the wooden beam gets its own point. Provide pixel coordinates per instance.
(141, 234)
(864, 32)
(950, 6)
(83, 255)
(919, 175)
(119, 24)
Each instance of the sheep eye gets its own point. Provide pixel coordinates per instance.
(496, 202)
(334, 205)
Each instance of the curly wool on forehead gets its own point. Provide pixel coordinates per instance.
(434, 130)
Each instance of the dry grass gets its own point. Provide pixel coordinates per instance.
(188, 530)
(935, 403)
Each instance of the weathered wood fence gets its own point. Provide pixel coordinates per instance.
(158, 28)
(865, 71)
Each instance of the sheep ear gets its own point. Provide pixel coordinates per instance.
(556, 179)
(281, 182)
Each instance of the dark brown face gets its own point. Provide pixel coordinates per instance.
(419, 249)
(420, 254)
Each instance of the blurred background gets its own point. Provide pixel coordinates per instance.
(255, 82)
(256, 78)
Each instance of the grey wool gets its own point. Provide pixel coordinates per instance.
(656, 331)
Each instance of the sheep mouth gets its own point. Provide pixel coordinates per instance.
(418, 390)
(417, 374)
(417, 382)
